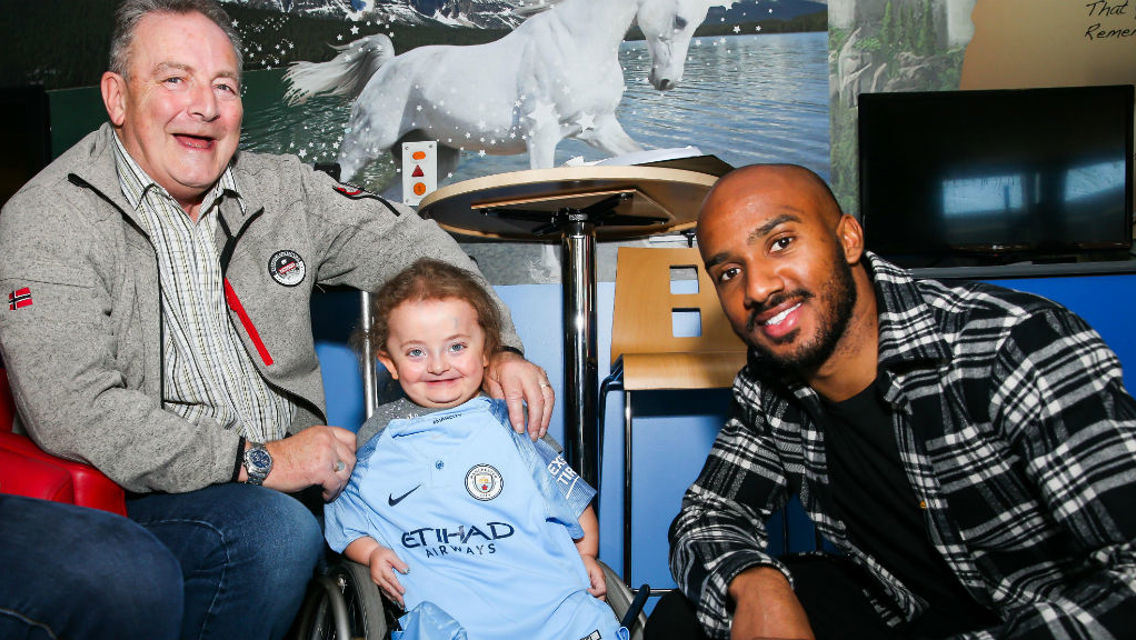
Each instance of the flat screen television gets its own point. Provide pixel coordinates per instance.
(952, 178)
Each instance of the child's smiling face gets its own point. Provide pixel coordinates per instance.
(436, 351)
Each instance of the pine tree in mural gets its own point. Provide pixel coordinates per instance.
(888, 28)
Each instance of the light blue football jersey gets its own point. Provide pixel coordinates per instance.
(485, 519)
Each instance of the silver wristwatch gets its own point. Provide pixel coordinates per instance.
(258, 463)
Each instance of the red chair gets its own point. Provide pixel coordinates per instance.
(25, 470)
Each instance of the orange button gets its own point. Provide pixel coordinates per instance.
(419, 188)
(418, 155)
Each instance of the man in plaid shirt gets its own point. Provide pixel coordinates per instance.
(970, 450)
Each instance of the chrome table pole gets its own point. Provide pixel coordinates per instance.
(578, 277)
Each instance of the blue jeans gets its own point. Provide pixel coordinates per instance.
(246, 554)
(74, 572)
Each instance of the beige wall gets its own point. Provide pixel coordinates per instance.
(1043, 43)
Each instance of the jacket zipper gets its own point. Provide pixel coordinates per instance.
(235, 304)
(231, 297)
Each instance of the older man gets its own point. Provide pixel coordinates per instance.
(166, 337)
(971, 450)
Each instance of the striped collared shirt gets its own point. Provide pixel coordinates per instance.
(1015, 433)
(207, 372)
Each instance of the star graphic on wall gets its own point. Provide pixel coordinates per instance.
(737, 29)
(543, 112)
(354, 30)
(586, 121)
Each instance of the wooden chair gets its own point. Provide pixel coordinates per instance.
(646, 352)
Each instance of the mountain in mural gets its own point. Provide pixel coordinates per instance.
(745, 11)
(486, 14)
(501, 14)
(475, 13)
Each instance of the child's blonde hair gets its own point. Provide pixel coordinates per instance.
(429, 279)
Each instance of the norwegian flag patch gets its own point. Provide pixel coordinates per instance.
(19, 299)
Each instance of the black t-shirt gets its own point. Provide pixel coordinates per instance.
(871, 494)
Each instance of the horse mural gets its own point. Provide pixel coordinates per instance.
(555, 76)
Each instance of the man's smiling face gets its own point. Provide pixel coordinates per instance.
(772, 247)
(178, 111)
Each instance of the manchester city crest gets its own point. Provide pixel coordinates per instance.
(483, 482)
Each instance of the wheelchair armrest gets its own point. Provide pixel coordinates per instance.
(628, 607)
(27, 470)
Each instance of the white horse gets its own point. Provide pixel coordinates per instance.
(555, 76)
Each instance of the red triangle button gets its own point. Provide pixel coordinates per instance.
(418, 173)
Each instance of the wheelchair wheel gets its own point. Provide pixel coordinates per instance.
(343, 604)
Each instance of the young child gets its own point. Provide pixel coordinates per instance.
(477, 520)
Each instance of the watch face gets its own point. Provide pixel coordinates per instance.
(259, 458)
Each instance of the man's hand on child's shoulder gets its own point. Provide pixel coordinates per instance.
(520, 383)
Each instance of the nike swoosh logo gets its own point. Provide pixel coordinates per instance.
(392, 501)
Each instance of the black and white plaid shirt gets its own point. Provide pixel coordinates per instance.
(1015, 433)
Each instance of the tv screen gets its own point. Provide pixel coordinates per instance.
(988, 177)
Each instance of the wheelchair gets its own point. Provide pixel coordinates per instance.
(343, 604)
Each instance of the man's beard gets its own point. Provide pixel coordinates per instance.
(837, 300)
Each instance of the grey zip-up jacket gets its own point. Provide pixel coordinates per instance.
(81, 335)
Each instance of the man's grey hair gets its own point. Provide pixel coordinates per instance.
(131, 12)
